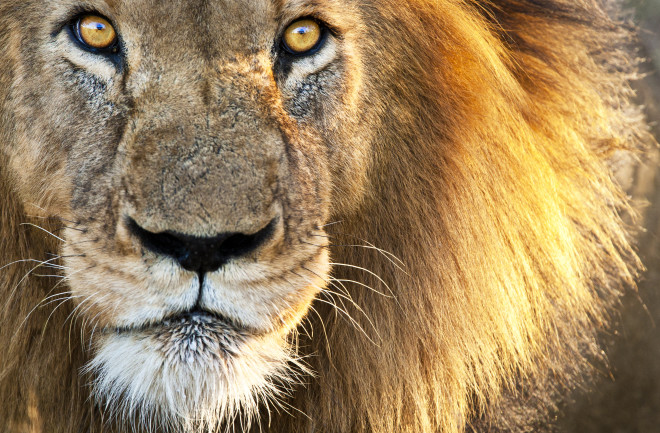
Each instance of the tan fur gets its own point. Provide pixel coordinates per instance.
(448, 239)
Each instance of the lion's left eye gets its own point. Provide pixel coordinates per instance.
(95, 33)
(303, 37)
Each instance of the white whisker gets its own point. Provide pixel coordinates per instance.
(43, 229)
(367, 271)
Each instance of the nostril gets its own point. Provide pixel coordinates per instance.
(201, 254)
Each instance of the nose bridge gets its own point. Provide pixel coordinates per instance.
(211, 153)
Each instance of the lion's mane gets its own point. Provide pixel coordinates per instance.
(493, 128)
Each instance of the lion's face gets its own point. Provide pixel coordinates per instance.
(192, 163)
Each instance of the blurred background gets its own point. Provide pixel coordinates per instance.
(627, 392)
(647, 15)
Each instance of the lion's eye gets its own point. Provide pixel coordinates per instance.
(95, 32)
(303, 37)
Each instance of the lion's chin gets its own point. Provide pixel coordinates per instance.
(190, 372)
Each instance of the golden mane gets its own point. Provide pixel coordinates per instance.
(490, 181)
(492, 185)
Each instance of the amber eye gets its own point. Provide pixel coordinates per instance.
(303, 37)
(95, 32)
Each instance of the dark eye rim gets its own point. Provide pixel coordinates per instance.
(325, 31)
(74, 29)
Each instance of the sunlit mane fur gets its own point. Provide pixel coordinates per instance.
(491, 183)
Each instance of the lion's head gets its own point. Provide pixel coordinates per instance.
(376, 215)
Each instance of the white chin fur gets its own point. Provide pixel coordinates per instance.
(155, 380)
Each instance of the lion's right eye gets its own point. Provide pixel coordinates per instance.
(95, 33)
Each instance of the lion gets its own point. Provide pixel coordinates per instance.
(294, 215)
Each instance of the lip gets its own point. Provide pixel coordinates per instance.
(191, 337)
(176, 320)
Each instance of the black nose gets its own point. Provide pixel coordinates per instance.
(201, 254)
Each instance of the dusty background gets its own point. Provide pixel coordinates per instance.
(627, 395)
